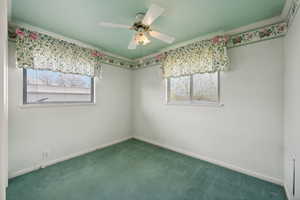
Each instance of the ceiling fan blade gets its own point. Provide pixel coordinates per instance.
(132, 44)
(162, 37)
(152, 14)
(107, 24)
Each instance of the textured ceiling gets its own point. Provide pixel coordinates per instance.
(183, 19)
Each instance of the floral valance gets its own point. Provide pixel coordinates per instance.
(39, 51)
(206, 56)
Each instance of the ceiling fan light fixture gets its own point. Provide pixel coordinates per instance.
(141, 39)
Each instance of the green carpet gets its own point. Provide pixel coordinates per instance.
(134, 170)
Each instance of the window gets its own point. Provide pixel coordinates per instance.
(193, 89)
(47, 87)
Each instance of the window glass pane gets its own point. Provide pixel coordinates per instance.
(205, 87)
(43, 86)
(180, 89)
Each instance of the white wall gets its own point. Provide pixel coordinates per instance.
(245, 134)
(67, 130)
(3, 98)
(292, 106)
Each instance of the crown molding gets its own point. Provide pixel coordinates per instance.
(9, 10)
(256, 25)
(257, 35)
(286, 9)
(293, 10)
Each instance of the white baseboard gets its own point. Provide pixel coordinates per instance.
(194, 155)
(68, 157)
(216, 162)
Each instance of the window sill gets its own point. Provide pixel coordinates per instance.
(24, 106)
(196, 104)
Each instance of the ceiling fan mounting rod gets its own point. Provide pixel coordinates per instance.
(140, 16)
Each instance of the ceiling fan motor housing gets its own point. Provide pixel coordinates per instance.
(138, 25)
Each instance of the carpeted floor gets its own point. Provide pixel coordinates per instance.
(134, 170)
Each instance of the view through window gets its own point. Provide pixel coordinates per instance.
(45, 87)
(197, 88)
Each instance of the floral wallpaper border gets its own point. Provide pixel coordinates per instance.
(257, 35)
(105, 59)
(240, 39)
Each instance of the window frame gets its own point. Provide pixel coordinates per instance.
(191, 102)
(23, 95)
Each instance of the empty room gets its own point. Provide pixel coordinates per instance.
(149, 100)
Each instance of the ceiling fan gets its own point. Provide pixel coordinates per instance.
(142, 29)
